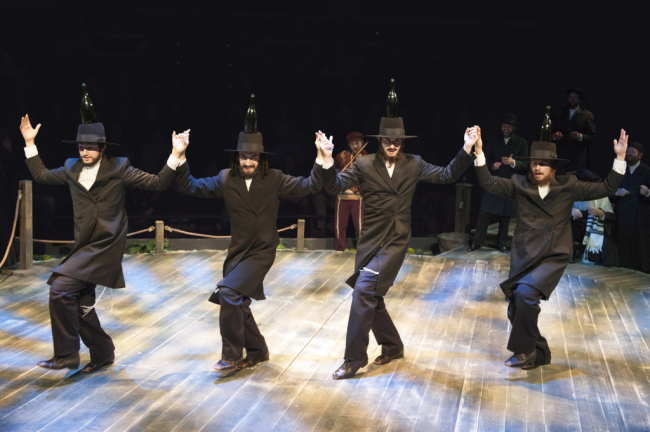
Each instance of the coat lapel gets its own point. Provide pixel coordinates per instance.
(103, 175)
(240, 187)
(75, 171)
(574, 120)
(383, 172)
(553, 191)
(533, 191)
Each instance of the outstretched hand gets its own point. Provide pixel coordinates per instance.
(620, 145)
(475, 136)
(470, 136)
(29, 133)
(324, 145)
(180, 143)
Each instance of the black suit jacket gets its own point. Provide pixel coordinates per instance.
(543, 243)
(494, 151)
(386, 226)
(100, 221)
(253, 218)
(572, 149)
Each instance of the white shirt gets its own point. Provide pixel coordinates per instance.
(633, 167)
(88, 174)
(619, 167)
(571, 112)
(506, 140)
(390, 169)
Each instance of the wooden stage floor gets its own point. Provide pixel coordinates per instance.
(450, 313)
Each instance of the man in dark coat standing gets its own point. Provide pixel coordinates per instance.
(252, 193)
(573, 132)
(542, 244)
(632, 209)
(503, 155)
(388, 179)
(98, 188)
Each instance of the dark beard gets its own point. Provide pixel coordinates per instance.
(573, 105)
(390, 160)
(544, 182)
(631, 161)
(242, 173)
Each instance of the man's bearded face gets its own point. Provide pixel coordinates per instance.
(541, 173)
(507, 130)
(248, 162)
(355, 146)
(574, 100)
(392, 148)
(90, 154)
(632, 156)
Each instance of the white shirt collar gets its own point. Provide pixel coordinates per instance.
(633, 167)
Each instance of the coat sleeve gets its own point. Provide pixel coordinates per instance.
(589, 130)
(43, 175)
(134, 177)
(304, 186)
(344, 180)
(209, 187)
(498, 186)
(523, 152)
(452, 172)
(585, 191)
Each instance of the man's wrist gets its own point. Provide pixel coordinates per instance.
(30, 143)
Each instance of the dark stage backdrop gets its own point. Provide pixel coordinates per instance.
(154, 67)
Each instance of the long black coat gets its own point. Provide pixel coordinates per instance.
(577, 152)
(387, 216)
(543, 244)
(494, 151)
(633, 219)
(253, 218)
(100, 221)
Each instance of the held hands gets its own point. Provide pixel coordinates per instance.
(620, 146)
(470, 138)
(324, 146)
(507, 160)
(478, 142)
(595, 212)
(180, 143)
(576, 214)
(28, 132)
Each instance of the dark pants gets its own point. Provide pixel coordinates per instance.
(238, 327)
(67, 296)
(368, 312)
(482, 227)
(523, 312)
(343, 210)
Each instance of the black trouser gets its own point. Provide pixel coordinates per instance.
(368, 312)
(238, 327)
(482, 227)
(523, 312)
(67, 296)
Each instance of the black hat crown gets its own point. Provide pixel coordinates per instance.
(89, 131)
(545, 147)
(392, 126)
(250, 140)
(509, 118)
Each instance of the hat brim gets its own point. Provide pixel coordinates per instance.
(386, 136)
(265, 152)
(86, 142)
(542, 158)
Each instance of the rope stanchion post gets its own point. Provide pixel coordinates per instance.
(160, 236)
(301, 235)
(26, 226)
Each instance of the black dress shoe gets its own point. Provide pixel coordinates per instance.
(348, 369)
(226, 365)
(383, 359)
(535, 365)
(94, 367)
(521, 360)
(473, 247)
(503, 250)
(56, 362)
(252, 361)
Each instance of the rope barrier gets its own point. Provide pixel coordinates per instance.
(170, 229)
(13, 230)
(151, 228)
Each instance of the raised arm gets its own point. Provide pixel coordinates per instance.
(39, 172)
(322, 172)
(496, 185)
(134, 177)
(590, 191)
(452, 172)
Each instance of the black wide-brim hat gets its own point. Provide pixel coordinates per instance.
(249, 143)
(91, 133)
(510, 119)
(577, 90)
(392, 128)
(543, 150)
